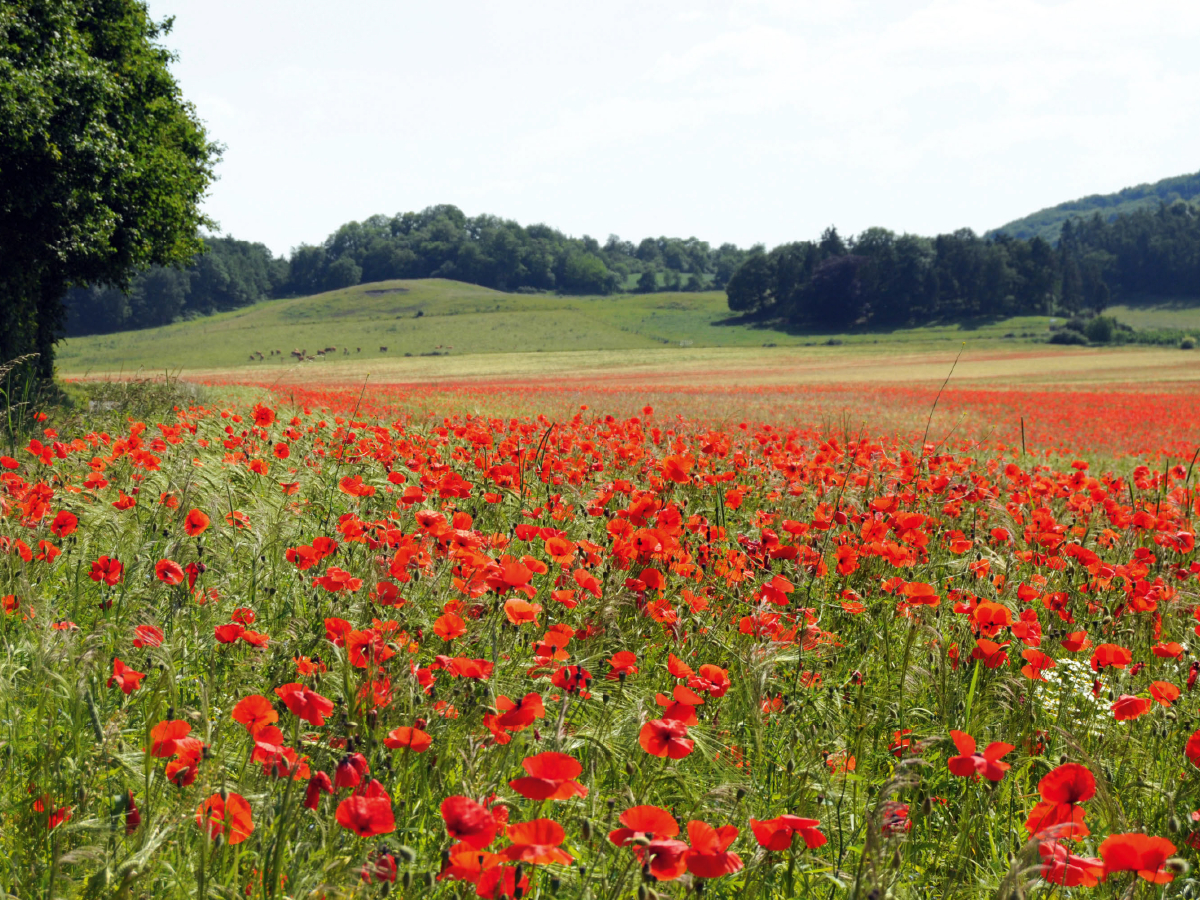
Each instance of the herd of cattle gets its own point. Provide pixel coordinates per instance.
(302, 355)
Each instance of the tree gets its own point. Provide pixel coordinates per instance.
(749, 290)
(103, 165)
(648, 282)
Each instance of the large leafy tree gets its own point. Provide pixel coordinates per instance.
(103, 164)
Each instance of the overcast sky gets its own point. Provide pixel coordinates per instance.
(745, 121)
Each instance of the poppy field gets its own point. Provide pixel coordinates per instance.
(331, 643)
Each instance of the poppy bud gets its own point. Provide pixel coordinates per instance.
(407, 853)
(406, 879)
(1173, 825)
(1176, 866)
(642, 892)
(926, 807)
(630, 769)
(741, 792)
(791, 767)
(555, 884)
(585, 829)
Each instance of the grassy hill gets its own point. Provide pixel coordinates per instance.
(1047, 223)
(437, 317)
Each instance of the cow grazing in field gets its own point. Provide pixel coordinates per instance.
(383, 349)
(299, 354)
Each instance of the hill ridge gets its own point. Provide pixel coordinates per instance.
(1047, 223)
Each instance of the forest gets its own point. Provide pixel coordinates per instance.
(438, 242)
(882, 279)
(876, 278)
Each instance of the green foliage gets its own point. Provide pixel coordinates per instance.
(229, 274)
(102, 163)
(1047, 223)
(880, 279)
(1101, 329)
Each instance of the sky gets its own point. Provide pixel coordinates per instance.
(748, 121)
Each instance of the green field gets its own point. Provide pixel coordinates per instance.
(438, 318)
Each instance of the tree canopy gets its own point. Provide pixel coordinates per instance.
(879, 278)
(103, 164)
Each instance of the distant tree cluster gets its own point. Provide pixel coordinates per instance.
(442, 242)
(883, 279)
(438, 242)
(229, 274)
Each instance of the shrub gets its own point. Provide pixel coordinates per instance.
(1068, 336)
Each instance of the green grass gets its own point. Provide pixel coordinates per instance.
(1159, 314)
(436, 316)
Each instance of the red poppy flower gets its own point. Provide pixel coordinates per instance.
(318, 784)
(468, 821)
(229, 816)
(255, 712)
(644, 822)
(337, 580)
(227, 634)
(1036, 663)
(1139, 853)
(195, 523)
(165, 736)
(133, 817)
(501, 881)
(1129, 707)
(255, 638)
(1069, 783)
(181, 771)
(449, 626)
(1168, 650)
(551, 777)
(1164, 692)
(351, 770)
(515, 715)
(107, 569)
(667, 859)
(64, 524)
(168, 572)
(624, 663)
(992, 654)
(1075, 641)
(366, 816)
(1110, 656)
(413, 739)
(521, 612)
(147, 636)
(127, 679)
(709, 856)
(778, 833)
(537, 842)
(1060, 866)
(306, 704)
(1192, 749)
(665, 737)
(972, 764)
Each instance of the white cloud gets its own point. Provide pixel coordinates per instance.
(744, 120)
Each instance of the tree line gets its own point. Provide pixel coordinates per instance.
(880, 278)
(438, 242)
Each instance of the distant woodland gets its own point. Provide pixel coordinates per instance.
(879, 278)
(438, 242)
(874, 279)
